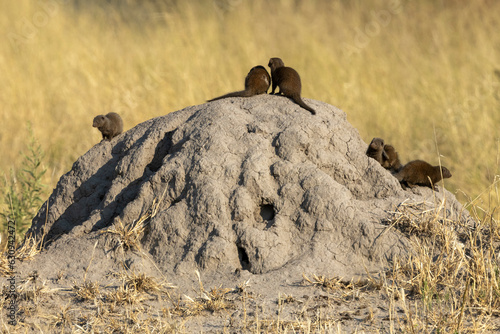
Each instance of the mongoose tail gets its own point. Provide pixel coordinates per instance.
(296, 98)
(241, 93)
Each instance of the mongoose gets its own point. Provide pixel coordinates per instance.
(420, 173)
(257, 82)
(288, 81)
(376, 151)
(392, 163)
(110, 125)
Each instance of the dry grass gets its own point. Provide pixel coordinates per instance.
(216, 299)
(128, 237)
(296, 326)
(109, 308)
(143, 283)
(25, 252)
(449, 283)
(422, 78)
(132, 288)
(452, 278)
(86, 290)
(5, 268)
(325, 282)
(124, 295)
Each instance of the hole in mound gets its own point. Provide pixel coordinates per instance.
(243, 256)
(267, 211)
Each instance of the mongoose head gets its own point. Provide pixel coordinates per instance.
(98, 121)
(274, 63)
(258, 66)
(390, 154)
(446, 172)
(261, 69)
(377, 144)
(389, 149)
(375, 148)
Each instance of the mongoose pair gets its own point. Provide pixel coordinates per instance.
(386, 155)
(414, 173)
(258, 82)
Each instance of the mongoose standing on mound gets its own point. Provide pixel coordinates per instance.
(288, 81)
(257, 82)
(376, 151)
(110, 125)
(392, 163)
(420, 173)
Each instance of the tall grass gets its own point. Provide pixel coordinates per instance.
(23, 191)
(418, 74)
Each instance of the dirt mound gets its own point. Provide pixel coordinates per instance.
(255, 184)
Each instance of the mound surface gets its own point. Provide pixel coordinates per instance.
(255, 184)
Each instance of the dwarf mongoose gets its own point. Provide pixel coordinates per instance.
(392, 163)
(420, 173)
(110, 125)
(288, 81)
(376, 151)
(257, 82)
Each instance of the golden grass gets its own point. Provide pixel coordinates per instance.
(216, 299)
(24, 252)
(86, 291)
(452, 276)
(418, 74)
(128, 237)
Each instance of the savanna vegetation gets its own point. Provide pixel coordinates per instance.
(423, 75)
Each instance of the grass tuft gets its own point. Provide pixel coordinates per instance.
(86, 291)
(129, 236)
(453, 273)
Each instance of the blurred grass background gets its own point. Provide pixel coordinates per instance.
(420, 74)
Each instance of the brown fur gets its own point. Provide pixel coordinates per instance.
(110, 125)
(420, 173)
(257, 82)
(392, 163)
(376, 150)
(288, 81)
